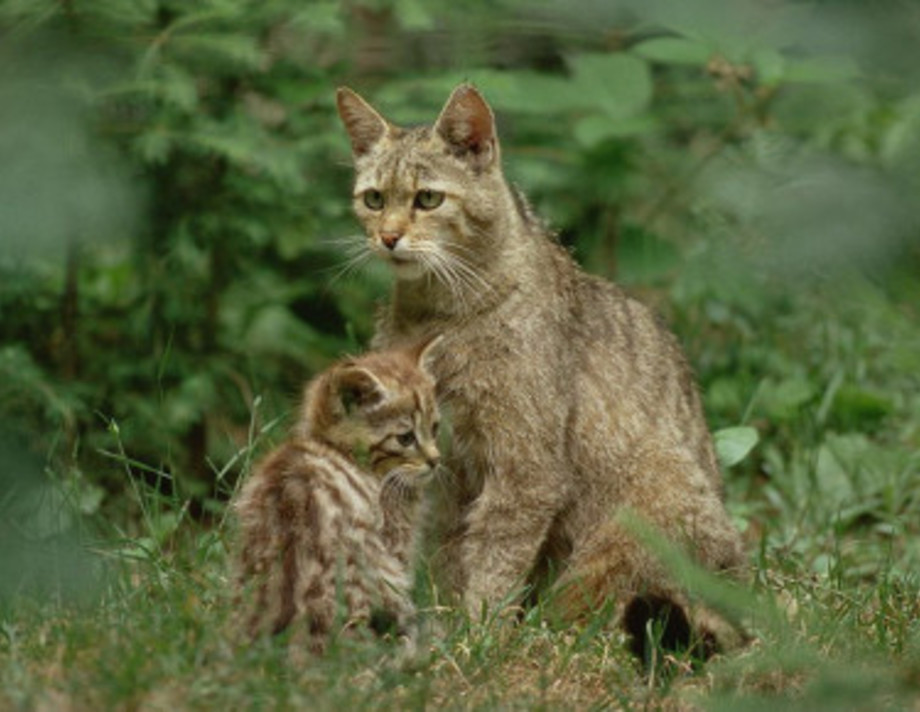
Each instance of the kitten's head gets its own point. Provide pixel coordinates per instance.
(379, 408)
(428, 195)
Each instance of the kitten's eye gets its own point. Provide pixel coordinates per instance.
(406, 439)
(373, 199)
(428, 199)
(435, 429)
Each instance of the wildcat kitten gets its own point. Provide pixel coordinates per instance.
(328, 519)
(570, 403)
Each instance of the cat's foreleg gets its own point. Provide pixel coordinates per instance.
(506, 528)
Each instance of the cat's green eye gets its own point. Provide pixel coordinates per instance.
(373, 199)
(406, 439)
(428, 199)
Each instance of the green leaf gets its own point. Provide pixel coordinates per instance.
(782, 401)
(414, 14)
(596, 128)
(531, 93)
(674, 50)
(859, 407)
(154, 145)
(321, 18)
(275, 330)
(185, 405)
(770, 65)
(821, 70)
(618, 84)
(234, 51)
(643, 257)
(129, 14)
(734, 444)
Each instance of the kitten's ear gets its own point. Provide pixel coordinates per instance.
(467, 124)
(357, 387)
(424, 353)
(364, 125)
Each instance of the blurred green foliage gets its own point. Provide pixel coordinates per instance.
(175, 180)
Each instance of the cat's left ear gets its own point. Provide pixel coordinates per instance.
(364, 125)
(425, 352)
(468, 125)
(358, 388)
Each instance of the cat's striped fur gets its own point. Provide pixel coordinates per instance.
(327, 521)
(570, 403)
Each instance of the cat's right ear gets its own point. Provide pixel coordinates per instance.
(364, 125)
(357, 387)
(467, 125)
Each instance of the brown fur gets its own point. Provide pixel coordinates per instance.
(569, 401)
(327, 539)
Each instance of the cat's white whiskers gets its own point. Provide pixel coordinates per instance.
(465, 274)
(474, 278)
(352, 264)
(357, 251)
(446, 270)
(460, 259)
(344, 239)
(441, 272)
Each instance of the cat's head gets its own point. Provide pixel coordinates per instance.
(380, 408)
(428, 195)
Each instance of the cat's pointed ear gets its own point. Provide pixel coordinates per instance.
(467, 125)
(364, 125)
(357, 387)
(425, 352)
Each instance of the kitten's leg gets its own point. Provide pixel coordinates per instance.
(394, 600)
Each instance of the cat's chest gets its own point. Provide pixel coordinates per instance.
(485, 359)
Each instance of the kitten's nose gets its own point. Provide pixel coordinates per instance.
(390, 237)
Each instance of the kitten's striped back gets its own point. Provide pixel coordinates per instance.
(319, 542)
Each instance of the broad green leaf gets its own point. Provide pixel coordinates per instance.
(527, 92)
(841, 459)
(674, 50)
(618, 84)
(860, 407)
(595, 128)
(321, 17)
(414, 14)
(734, 444)
(783, 400)
(821, 70)
(770, 65)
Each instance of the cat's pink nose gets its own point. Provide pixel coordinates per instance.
(390, 238)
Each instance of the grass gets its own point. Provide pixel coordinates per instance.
(157, 638)
(828, 501)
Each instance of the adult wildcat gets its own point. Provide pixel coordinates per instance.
(570, 403)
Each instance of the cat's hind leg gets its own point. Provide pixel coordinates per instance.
(613, 565)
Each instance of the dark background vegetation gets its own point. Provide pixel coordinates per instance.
(174, 181)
